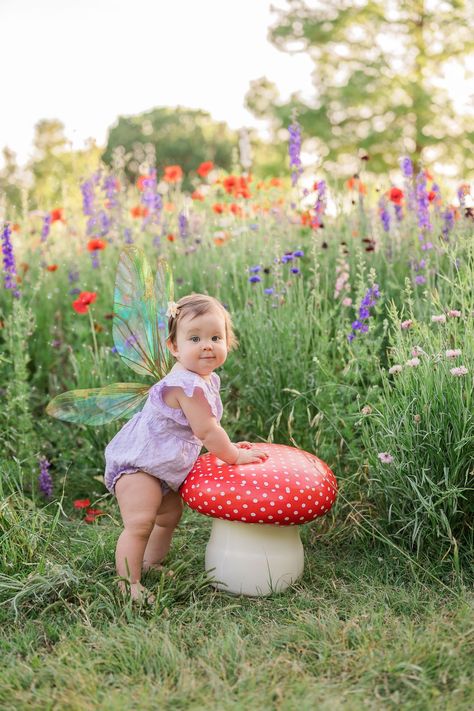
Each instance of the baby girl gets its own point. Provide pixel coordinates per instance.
(150, 457)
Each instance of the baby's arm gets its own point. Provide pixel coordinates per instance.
(207, 429)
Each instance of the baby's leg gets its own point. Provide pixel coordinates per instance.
(139, 497)
(167, 519)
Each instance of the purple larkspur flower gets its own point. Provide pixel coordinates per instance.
(295, 270)
(287, 258)
(320, 206)
(110, 187)
(127, 235)
(298, 253)
(420, 279)
(368, 301)
(384, 214)
(254, 270)
(45, 480)
(448, 222)
(73, 276)
(407, 167)
(254, 279)
(294, 150)
(88, 197)
(398, 212)
(151, 199)
(182, 225)
(269, 290)
(423, 203)
(46, 227)
(9, 268)
(75, 291)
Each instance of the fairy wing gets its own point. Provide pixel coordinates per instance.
(139, 326)
(98, 406)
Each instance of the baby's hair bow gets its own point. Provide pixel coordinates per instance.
(173, 309)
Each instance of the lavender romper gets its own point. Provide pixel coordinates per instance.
(159, 439)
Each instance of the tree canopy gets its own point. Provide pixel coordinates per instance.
(378, 69)
(169, 136)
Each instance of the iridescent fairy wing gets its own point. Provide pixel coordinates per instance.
(98, 406)
(139, 326)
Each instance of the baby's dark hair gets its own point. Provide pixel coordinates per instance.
(196, 305)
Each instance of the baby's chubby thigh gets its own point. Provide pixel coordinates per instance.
(139, 497)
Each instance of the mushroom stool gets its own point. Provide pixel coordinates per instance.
(255, 547)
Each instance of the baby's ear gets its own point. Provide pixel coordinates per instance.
(170, 345)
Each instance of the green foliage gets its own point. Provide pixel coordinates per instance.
(169, 136)
(18, 432)
(424, 420)
(375, 79)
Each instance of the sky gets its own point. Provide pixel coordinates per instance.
(85, 62)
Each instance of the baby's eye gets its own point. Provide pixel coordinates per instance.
(193, 337)
(216, 338)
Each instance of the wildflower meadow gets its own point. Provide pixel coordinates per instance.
(353, 303)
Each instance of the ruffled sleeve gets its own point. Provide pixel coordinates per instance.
(188, 381)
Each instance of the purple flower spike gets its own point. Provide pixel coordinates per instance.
(360, 324)
(294, 149)
(45, 480)
(9, 268)
(254, 279)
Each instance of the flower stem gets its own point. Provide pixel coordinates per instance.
(96, 350)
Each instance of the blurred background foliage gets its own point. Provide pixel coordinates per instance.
(380, 90)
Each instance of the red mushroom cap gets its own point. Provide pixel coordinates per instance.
(290, 488)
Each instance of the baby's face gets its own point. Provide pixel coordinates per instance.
(201, 343)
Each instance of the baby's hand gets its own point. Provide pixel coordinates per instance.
(251, 455)
(243, 445)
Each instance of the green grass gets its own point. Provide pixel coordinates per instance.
(366, 627)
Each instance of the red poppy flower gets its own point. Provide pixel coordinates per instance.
(52, 267)
(431, 195)
(96, 243)
(16, 227)
(139, 211)
(196, 195)
(170, 238)
(236, 210)
(89, 518)
(83, 301)
(395, 195)
(276, 182)
(306, 218)
(355, 183)
(95, 512)
(82, 503)
(173, 173)
(205, 168)
(57, 214)
(218, 208)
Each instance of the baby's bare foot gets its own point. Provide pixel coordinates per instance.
(137, 592)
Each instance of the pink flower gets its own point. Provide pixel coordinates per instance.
(453, 353)
(395, 369)
(417, 351)
(413, 362)
(366, 410)
(454, 313)
(347, 301)
(462, 370)
(438, 319)
(385, 457)
(406, 324)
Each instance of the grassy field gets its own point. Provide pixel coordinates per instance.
(367, 626)
(347, 333)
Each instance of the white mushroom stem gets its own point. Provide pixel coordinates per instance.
(252, 558)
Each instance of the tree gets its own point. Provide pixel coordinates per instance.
(169, 136)
(377, 71)
(10, 182)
